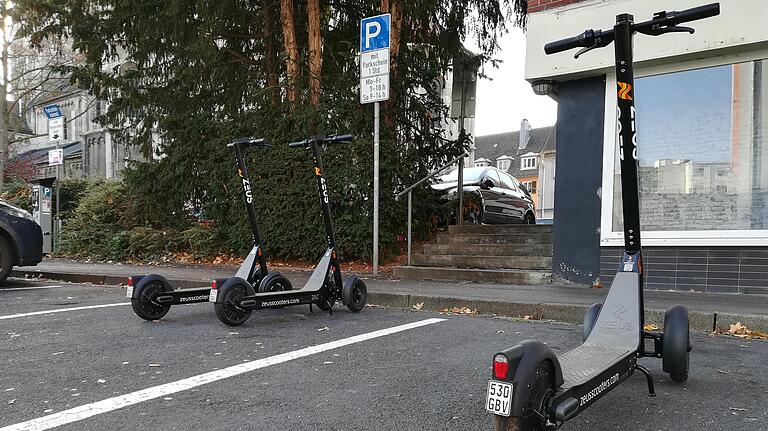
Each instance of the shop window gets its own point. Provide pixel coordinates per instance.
(703, 155)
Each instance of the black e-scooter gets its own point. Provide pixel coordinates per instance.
(235, 299)
(152, 295)
(532, 388)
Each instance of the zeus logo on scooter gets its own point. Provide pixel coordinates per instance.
(247, 190)
(324, 190)
(634, 134)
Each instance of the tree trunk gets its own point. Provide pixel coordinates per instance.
(315, 51)
(271, 56)
(291, 51)
(394, 7)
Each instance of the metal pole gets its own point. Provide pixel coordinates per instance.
(57, 237)
(460, 213)
(410, 231)
(462, 134)
(376, 189)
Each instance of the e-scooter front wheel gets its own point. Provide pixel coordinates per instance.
(147, 287)
(226, 306)
(274, 282)
(676, 343)
(354, 294)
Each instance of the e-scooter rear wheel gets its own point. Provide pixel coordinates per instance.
(542, 388)
(146, 288)
(226, 306)
(354, 294)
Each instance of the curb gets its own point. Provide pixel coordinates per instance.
(568, 313)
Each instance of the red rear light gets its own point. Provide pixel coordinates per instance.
(130, 281)
(214, 285)
(500, 367)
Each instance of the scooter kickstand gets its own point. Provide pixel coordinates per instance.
(651, 390)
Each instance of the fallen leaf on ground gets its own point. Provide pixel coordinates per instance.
(741, 331)
(528, 317)
(650, 327)
(418, 306)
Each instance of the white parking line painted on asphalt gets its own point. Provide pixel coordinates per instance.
(27, 288)
(62, 310)
(111, 404)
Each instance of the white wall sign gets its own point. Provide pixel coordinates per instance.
(55, 157)
(56, 129)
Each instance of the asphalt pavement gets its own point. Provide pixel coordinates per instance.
(89, 368)
(564, 303)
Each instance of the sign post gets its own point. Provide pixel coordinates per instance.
(374, 88)
(56, 158)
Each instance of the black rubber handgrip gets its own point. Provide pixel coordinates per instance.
(697, 13)
(249, 141)
(563, 44)
(341, 138)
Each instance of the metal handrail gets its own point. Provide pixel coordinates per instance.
(431, 174)
(409, 191)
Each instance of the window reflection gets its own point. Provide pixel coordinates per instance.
(701, 144)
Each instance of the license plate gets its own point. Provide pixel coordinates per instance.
(129, 292)
(499, 399)
(213, 295)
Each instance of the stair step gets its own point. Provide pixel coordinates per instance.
(485, 262)
(504, 276)
(523, 238)
(500, 229)
(544, 250)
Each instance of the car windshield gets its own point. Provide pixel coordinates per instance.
(471, 175)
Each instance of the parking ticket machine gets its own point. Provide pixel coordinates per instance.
(42, 200)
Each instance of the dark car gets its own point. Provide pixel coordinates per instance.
(491, 196)
(21, 239)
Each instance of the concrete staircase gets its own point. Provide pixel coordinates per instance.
(509, 254)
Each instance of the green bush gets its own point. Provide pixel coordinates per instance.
(19, 194)
(202, 242)
(96, 227)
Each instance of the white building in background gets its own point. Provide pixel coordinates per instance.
(702, 128)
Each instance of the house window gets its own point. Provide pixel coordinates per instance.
(528, 163)
(531, 186)
(503, 164)
(703, 155)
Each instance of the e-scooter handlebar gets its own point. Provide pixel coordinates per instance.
(662, 22)
(323, 140)
(694, 14)
(249, 141)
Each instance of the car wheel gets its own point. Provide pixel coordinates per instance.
(529, 219)
(6, 259)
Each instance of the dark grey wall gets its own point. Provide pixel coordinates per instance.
(579, 158)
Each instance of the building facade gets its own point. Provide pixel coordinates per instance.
(701, 103)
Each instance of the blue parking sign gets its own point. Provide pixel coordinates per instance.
(374, 32)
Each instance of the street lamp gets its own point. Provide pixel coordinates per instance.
(543, 87)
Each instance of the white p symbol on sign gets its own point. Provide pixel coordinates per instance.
(372, 29)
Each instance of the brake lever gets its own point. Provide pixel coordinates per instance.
(658, 30)
(678, 29)
(585, 50)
